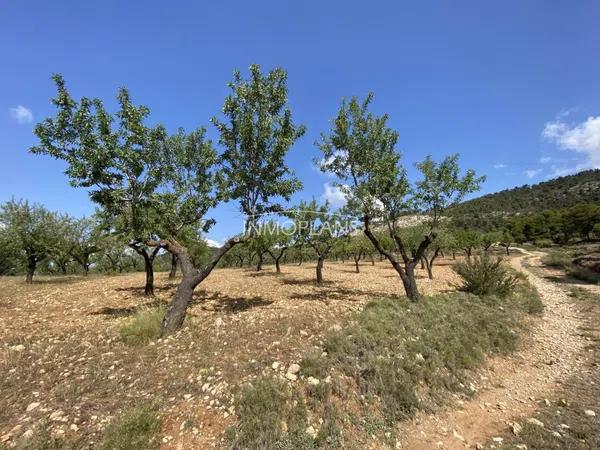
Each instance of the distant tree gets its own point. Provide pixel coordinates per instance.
(87, 240)
(490, 238)
(468, 240)
(318, 228)
(359, 247)
(281, 239)
(360, 151)
(32, 229)
(506, 241)
(9, 253)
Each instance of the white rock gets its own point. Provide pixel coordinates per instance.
(219, 322)
(17, 348)
(312, 381)
(589, 413)
(294, 368)
(74, 427)
(32, 406)
(516, 428)
(312, 432)
(498, 440)
(457, 436)
(536, 422)
(275, 365)
(291, 376)
(28, 434)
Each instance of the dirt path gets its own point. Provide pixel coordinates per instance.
(509, 387)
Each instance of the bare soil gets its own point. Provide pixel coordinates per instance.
(61, 358)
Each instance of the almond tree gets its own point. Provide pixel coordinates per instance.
(32, 229)
(155, 185)
(360, 151)
(116, 157)
(316, 227)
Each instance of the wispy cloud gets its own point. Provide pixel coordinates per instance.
(333, 195)
(211, 243)
(532, 173)
(582, 138)
(499, 166)
(21, 114)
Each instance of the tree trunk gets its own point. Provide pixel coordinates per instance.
(356, 260)
(149, 287)
(410, 283)
(86, 270)
(507, 250)
(453, 255)
(372, 260)
(31, 265)
(173, 271)
(277, 266)
(319, 270)
(192, 277)
(259, 263)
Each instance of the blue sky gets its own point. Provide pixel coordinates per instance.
(513, 86)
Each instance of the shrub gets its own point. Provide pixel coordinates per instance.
(270, 415)
(42, 439)
(484, 275)
(134, 429)
(557, 259)
(143, 327)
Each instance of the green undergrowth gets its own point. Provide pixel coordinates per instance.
(143, 327)
(398, 357)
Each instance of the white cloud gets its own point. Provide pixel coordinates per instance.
(531, 173)
(21, 114)
(499, 166)
(333, 195)
(582, 138)
(211, 243)
(546, 159)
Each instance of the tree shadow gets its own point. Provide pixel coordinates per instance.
(263, 273)
(217, 302)
(305, 282)
(335, 292)
(138, 291)
(126, 310)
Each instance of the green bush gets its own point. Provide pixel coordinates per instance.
(143, 327)
(42, 439)
(557, 259)
(484, 275)
(396, 347)
(270, 415)
(136, 428)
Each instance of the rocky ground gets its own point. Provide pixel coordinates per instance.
(512, 391)
(61, 359)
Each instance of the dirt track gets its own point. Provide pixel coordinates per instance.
(509, 387)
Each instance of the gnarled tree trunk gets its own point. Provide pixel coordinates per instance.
(319, 269)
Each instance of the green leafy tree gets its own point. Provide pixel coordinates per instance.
(317, 227)
(490, 238)
(118, 158)
(154, 185)
(468, 240)
(360, 151)
(506, 241)
(281, 239)
(359, 247)
(88, 239)
(32, 229)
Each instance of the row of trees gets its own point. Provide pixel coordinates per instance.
(35, 239)
(152, 187)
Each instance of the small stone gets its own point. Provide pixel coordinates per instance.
(187, 396)
(312, 381)
(479, 446)
(219, 322)
(589, 413)
(17, 348)
(32, 406)
(275, 365)
(291, 376)
(516, 428)
(303, 333)
(312, 432)
(564, 426)
(458, 436)
(498, 440)
(293, 368)
(74, 427)
(556, 434)
(28, 434)
(521, 447)
(536, 422)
